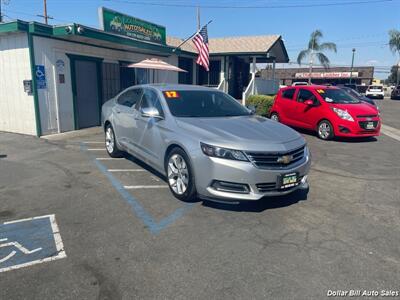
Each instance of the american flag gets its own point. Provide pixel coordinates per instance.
(200, 40)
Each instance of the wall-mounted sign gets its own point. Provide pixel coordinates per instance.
(60, 64)
(40, 77)
(327, 75)
(119, 23)
(28, 86)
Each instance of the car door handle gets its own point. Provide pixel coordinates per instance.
(118, 111)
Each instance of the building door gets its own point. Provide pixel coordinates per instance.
(87, 95)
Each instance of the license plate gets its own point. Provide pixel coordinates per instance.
(370, 125)
(289, 180)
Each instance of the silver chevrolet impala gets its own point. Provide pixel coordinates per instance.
(205, 143)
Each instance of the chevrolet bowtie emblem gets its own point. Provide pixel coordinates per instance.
(285, 159)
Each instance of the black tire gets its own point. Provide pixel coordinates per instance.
(190, 193)
(274, 117)
(326, 134)
(111, 142)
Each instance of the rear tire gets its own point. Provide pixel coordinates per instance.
(111, 143)
(275, 117)
(325, 130)
(180, 175)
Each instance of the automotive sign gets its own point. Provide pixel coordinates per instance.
(118, 23)
(327, 75)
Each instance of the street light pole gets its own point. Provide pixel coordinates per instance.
(352, 65)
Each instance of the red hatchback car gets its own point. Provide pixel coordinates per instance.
(329, 111)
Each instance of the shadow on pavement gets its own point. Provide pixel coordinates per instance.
(262, 204)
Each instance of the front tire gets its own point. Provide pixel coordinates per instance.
(180, 175)
(111, 143)
(325, 130)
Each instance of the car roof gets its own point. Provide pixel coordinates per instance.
(177, 87)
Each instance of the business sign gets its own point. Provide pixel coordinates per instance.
(119, 23)
(40, 77)
(326, 75)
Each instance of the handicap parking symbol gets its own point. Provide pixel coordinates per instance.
(28, 242)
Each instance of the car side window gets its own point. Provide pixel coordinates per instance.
(151, 99)
(130, 97)
(288, 94)
(304, 95)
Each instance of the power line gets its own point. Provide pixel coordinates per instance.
(347, 3)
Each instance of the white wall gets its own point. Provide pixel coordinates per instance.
(17, 111)
(56, 108)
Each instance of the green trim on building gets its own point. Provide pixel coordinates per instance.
(34, 85)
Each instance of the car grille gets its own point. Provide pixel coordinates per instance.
(363, 124)
(367, 116)
(273, 186)
(269, 160)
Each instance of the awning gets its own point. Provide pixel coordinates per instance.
(155, 64)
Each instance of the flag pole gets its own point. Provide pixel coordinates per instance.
(184, 42)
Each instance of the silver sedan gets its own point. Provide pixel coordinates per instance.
(205, 143)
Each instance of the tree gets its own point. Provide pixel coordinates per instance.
(315, 50)
(394, 45)
(393, 77)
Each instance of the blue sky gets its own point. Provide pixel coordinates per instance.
(363, 26)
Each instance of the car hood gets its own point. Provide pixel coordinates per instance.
(358, 109)
(243, 133)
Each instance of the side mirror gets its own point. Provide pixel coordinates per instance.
(252, 108)
(150, 112)
(309, 103)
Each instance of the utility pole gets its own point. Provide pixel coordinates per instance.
(45, 15)
(352, 65)
(1, 16)
(198, 18)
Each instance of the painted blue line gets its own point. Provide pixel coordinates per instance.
(137, 208)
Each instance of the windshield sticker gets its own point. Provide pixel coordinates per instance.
(171, 94)
(327, 99)
(321, 91)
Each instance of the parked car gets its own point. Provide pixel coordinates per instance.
(299, 83)
(330, 111)
(375, 91)
(357, 95)
(205, 142)
(395, 93)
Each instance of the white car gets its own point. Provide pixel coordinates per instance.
(299, 83)
(375, 91)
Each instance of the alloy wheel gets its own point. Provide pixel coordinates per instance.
(275, 117)
(324, 130)
(178, 174)
(109, 140)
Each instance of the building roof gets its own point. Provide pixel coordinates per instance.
(231, 45)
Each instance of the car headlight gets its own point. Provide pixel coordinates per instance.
(343, 114)
(215, 151)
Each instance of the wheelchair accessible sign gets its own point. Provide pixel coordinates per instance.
(29, 242)
(40, 77)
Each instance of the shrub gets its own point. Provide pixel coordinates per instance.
(263, 103)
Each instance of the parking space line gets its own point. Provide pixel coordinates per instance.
(126, 170)
(392, 132)
(154, 226)
(94, 142)
(109, 158)
(135, 187)
(96, 149)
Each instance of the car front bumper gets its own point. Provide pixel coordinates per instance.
(344, 128)
(211, 169)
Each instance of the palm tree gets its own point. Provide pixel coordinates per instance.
(315, 50)
(394, 45)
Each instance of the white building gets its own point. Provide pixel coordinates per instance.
(55, 78)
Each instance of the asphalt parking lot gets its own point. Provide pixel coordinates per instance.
(120, 233)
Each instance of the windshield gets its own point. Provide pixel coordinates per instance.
(337, 96)
(203, 104)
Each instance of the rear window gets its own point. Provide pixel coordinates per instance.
(288, 94)
(376, 87)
